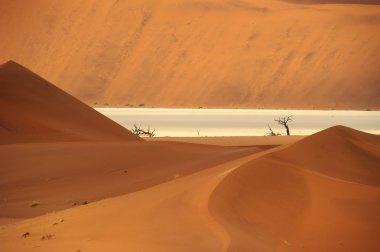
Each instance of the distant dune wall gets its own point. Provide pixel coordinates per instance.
(335, 1)
(209, 53)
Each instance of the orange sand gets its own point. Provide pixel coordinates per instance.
(210, 53)
(33, 110)
(269, 201)
(72, 180)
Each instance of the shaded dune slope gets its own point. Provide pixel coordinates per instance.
(211, 53)
(58, 151)
(319, 194)
(60, 175)
(34, 110)
(255, 203)
(171, 216)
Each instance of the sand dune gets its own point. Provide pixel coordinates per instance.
(211, 53)
(319, 194)
(33, 110)
(73, 180)
(335, 1)
(340, 152)
(256, 203)
(57, 152)
(61, 175)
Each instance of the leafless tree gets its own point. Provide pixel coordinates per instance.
(284, 121)
(271, 132)
(141, 132)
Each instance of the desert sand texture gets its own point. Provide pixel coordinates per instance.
(268, 201)
(34, 110)
(94, 186)
(57, 152)
(299, 54)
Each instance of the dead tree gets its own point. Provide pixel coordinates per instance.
(271, 132)
(284, 121)
(137, 130)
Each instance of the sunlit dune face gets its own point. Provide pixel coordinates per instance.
(235, 54)
(72, 179)
(335, 1)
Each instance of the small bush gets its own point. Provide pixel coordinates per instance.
(34, 203)
(137, 130)
(25, 235)
(47, 237)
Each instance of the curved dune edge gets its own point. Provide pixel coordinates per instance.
(172, 216)
(61, 175)
(255, 202)
(305, 197)
(34, 110)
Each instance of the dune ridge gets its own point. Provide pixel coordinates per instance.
(62, 175)
(59, 152)
(34, 110)
(212, 53)
(257, 202)
(318, 194)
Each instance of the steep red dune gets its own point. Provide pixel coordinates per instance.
(33, 110)
(210, 53)
(319, 194)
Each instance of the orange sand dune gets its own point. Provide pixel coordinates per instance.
(61, 175)
(172, 216)
(33, 110)
(335, 1)
(56, 152)
(269, 201)
(210, 53)
(319, 194)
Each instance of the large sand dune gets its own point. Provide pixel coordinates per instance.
(61, 175)
(59, 152)
(319, 194)
(33, 110)
(335, 1)
(211, 53)
(269, 201)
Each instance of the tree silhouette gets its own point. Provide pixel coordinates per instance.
(137, 130)
(284, 121)
(271, 132)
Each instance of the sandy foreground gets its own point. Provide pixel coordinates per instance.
(319, 194)
(295, 54)
(73, 180)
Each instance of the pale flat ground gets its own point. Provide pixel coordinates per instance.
(209, 53)
(176, 122)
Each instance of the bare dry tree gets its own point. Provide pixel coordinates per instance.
(284, 121)
(271, 132)
(137, 130)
